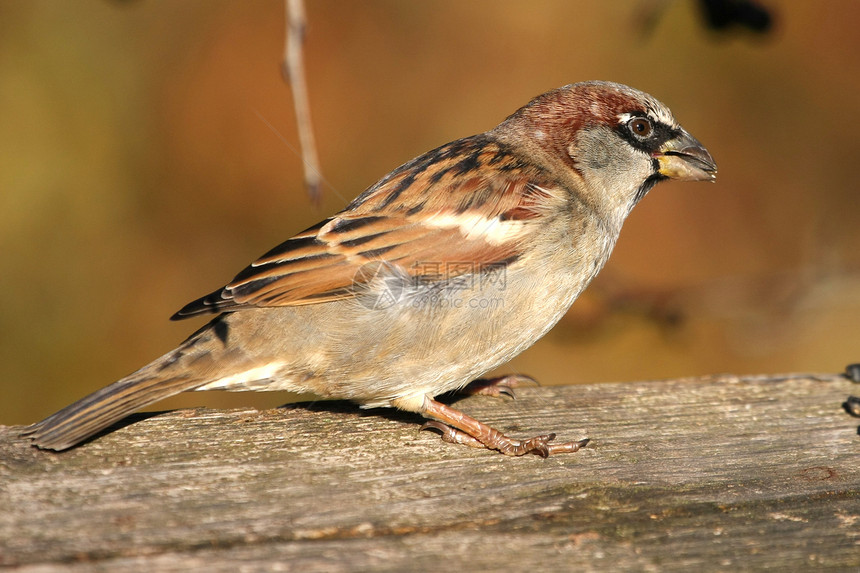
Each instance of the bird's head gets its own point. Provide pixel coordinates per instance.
(614, 142)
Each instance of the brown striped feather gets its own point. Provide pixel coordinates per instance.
(432, 209)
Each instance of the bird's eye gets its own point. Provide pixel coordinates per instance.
(640, 127)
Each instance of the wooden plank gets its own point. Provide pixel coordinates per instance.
(705, 474)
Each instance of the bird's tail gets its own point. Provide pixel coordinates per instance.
(182, 369)
(91, 414)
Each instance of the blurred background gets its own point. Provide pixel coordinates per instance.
(147, 154)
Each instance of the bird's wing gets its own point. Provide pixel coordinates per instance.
(461, 208)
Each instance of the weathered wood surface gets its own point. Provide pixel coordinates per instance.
(694, 475)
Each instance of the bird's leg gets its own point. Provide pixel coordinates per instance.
(458, 428)
(497, 386)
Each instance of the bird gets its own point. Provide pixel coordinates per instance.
(444, 269)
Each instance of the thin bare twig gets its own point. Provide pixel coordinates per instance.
(293, 70)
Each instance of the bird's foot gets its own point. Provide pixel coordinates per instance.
(458, 428)
(501, 385)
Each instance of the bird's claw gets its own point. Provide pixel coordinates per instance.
(539, 445)
(502, 385)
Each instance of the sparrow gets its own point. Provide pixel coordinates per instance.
(444, 269)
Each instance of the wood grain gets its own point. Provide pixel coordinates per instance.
(700, 474)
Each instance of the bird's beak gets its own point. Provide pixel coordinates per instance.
(685, 159)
